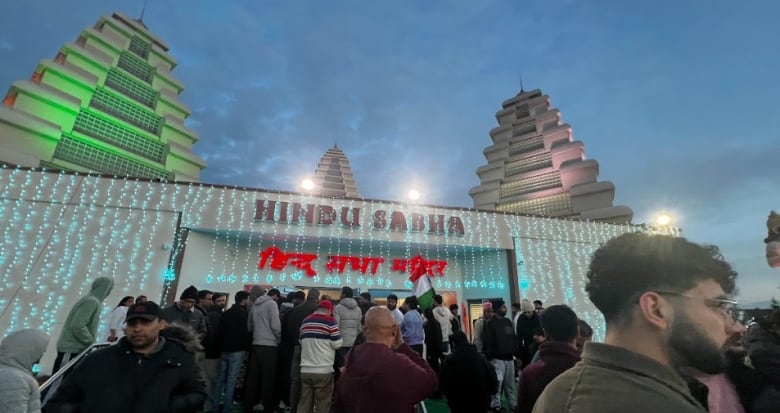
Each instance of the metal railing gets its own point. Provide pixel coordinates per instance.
(49, 387)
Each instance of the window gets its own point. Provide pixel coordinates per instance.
(531, 163)
(522, 111)
(137, 67)
(533, 184)
(558, 204)
(524, 127)
(99, 128)
(127, 111)
(526, 145)
(140, 47)
(132, 88)
(82, 154)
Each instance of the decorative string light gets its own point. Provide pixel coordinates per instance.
(117, 227)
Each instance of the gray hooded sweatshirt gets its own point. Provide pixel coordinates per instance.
(348, 315)
(81, 326)
(18, 353)
(264, 322)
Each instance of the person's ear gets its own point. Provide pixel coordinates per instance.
(654, 309)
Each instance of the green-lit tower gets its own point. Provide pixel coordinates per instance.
(106, 103)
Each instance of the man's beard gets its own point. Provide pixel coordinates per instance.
(690, 347)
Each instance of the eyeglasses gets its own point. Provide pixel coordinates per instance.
(727, 307)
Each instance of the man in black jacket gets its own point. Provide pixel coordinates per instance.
(233, 340)
(142, 373)
(499, 345)
(291, 326)
(466, 378)
(527, 324)
(210, 365)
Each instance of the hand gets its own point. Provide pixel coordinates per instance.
(398, 337)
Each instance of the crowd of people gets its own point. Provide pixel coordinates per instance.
(672, 344)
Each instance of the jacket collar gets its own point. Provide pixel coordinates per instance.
(618, 358)
(557, 349)
(125, 345)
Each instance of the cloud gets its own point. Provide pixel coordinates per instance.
(409, 89)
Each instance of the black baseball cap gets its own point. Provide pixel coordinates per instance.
(148, 311)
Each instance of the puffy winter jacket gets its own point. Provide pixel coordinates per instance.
(118, 380)
(18, 352)
(348, 315)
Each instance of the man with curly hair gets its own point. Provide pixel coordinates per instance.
(666, 302)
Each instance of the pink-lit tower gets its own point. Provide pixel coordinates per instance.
(535, 167)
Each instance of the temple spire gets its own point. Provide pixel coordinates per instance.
(333, 177)
(534, 166)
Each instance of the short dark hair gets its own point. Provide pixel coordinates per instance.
(273, 292)
(454, 307)
(140, 298)
(314, 294)
(412, 302)
(347, 292)
(538, 302)
(241, 296)
(125, 298)
(632, 264)
(516, 305)
(203, 293)
(367, 296)
(217, 295)
(392, 297)
(584, 328)
(300, 295)
(559, 323)
(438, 299)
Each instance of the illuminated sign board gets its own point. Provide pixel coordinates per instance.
(349, 217)
(278, 260)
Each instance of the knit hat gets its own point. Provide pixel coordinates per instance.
(190, 293)
(526, 306)
(327, 305)
(487, 306)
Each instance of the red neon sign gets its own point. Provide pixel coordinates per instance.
(275, 259)
(280, 260)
